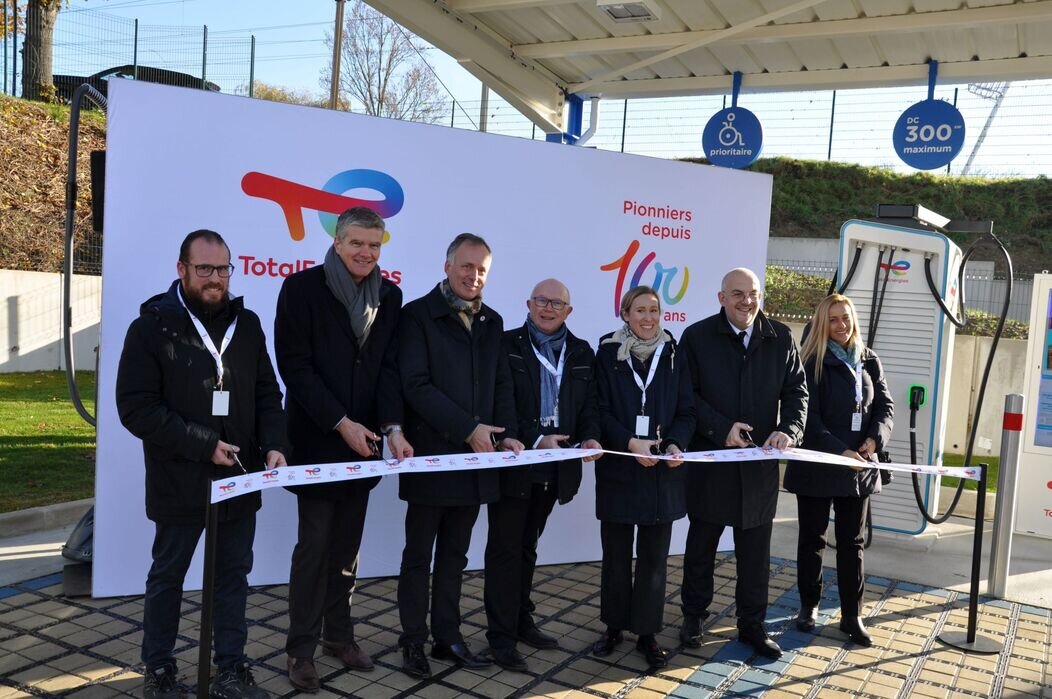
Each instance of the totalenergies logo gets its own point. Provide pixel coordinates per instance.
(662, 280)
(227, 487)
(329, 201)
(269, 475)
(898, 268)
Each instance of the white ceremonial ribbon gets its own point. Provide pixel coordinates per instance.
(228, 488)
(217, 354)
(650, 377)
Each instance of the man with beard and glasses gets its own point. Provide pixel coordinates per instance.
(334, 345)
(196, 385)
(458, 398)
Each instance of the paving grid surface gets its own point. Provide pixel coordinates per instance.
(52, 646)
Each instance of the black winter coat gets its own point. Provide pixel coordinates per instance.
(627, 492)
(578, 410)
(328, 376)
(763, 387)
(830, 405)
(452, 380)
(165, 382)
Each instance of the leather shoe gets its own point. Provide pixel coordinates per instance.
(303, 675)
(656, 656)
(535, 638)
(756, 637)
(807, 618)
(414, 662)
(509, 659)
(460, 655)
(350, 654)
(690, 632)
(607, 643)
(854, 629)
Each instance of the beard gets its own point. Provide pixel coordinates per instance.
(200, 307)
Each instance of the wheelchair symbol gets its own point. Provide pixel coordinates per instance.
(730, 136)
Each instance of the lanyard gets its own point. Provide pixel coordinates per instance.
(650, 377)
(557, 372)
(857, 369)
(217, 354)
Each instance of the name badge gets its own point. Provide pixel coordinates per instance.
(642, 425)
(856, 422)
(220, 403)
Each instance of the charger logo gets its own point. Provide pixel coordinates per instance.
(329, 201)
(898, 268)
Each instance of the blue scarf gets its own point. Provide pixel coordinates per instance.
(549, 346)
(849, 355)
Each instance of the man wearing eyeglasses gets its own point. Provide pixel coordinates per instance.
(748, 385)
(196, 385)
(553, 376)
(334, 345)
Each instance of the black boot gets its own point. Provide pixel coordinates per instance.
(656, 656)
(854, 629)
(607, 643)
(807, 618)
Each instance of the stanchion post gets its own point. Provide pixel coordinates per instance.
(969, 641)
(1004, 511)
(204, 642)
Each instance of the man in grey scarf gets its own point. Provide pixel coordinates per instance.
(333, 341)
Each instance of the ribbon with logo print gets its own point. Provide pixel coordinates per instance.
(228, 488)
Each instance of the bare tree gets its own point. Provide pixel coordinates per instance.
(383, 73)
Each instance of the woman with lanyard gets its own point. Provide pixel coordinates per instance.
(646, 409)
(850, 412)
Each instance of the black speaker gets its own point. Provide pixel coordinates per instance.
(98, 188)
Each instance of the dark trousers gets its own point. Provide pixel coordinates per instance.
(635, 604)
(752, 553)
(515, 525)
(324, 572)
(173, 549)
(848, 525)
(448, 531)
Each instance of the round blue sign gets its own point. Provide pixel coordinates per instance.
(733, 137)
(929, 134)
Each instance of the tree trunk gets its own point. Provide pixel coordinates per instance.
(36, 51)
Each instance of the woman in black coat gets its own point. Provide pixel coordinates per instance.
(639, 494)
(850, 412)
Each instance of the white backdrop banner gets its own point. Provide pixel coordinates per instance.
(271, 178)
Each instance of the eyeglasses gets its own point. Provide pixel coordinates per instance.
(206, 271)
(553, 304)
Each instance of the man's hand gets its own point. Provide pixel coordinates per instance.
(357, 436)
(591, 444)
(734, 437)
(481, 438)
(853, 455)
(673, 450)
(275, 459)
(509, 444)
(551, 441)
(399, 445)
(223, 454)
(778, 440)
(868, 448)
(641, 448)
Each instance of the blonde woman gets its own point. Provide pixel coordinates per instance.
(850, 412)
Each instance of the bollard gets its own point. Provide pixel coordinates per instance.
(1004, 512)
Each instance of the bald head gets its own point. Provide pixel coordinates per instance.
(737, 276)
(541, 305)
(740, 297)
(552, 289)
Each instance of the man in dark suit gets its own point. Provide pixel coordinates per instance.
(458, 398)
(748, 380)
(334, 343)
(553, 373)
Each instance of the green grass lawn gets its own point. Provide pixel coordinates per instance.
(47, 451)
(958, 460)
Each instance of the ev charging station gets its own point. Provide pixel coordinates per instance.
(1034, 509)
(882, 270)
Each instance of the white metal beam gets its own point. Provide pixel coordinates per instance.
(546, 119)
(469, 6)
(1031, 68)
(698, 43)
(531, 87)
(918, 22)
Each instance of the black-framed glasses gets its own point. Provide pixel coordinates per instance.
(554, 304)
(206, 271)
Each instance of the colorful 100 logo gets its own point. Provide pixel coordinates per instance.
(662, 280)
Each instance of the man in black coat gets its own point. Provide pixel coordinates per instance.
(458, 398)
(553, 373)
(334, 345)
(748, 384)
(195, 384)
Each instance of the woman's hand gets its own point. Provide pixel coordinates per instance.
(673, 450)
(641, 448)
(852, 454)
(868, 448)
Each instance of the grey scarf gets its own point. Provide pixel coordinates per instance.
(631, 344)
(361, 300)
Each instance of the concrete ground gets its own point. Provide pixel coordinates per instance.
(916, 590)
